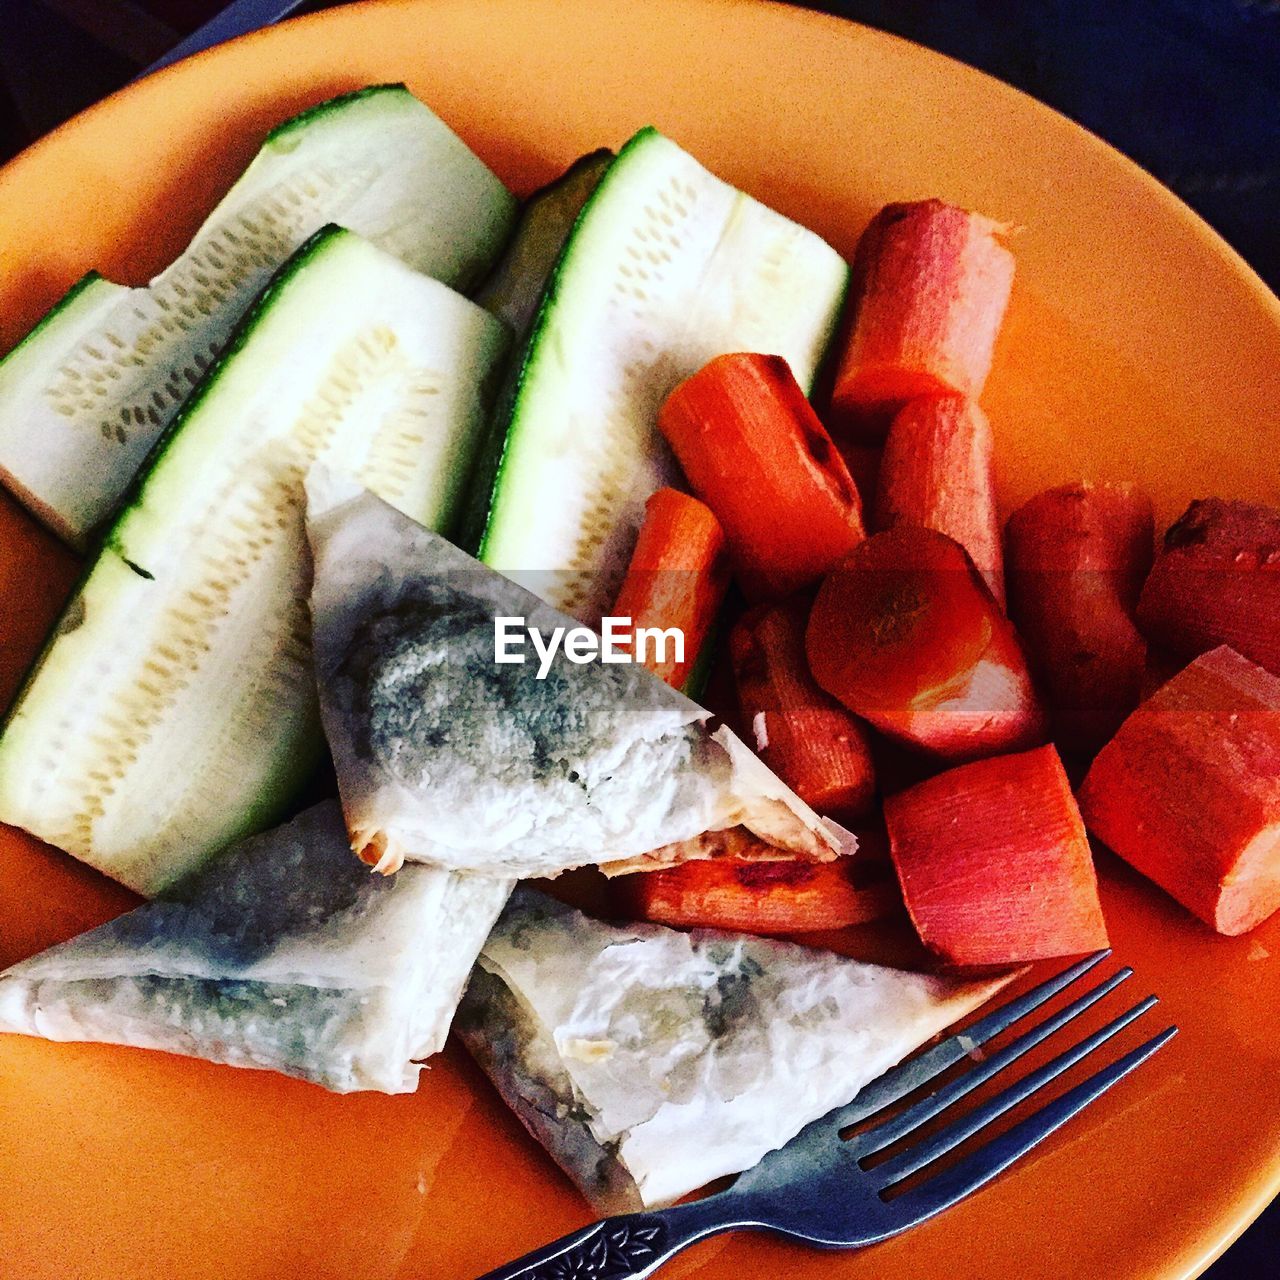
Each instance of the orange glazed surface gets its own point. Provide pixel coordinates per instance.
(120, 1165)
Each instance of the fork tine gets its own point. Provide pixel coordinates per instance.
(943, 1190)
(902, 1124)
(916, 1071)
(938, 1144)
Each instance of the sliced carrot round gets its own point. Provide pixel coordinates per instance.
(901, 619)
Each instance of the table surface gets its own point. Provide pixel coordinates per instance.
(1188, 88)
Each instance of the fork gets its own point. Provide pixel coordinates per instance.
(819, 1189)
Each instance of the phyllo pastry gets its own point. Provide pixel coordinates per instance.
(649, 1061)
(446, 755)
(284, 953)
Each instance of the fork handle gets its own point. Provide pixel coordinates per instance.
(627, 1246)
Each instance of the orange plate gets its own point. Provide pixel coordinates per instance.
(1137, 346)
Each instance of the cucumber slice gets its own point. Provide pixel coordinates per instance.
(666, 267)
(515, 288)
(87, 393)
(174, 708)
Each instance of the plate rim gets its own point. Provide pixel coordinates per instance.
(799, 12)
(1266, 1188)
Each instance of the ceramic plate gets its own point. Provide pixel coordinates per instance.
(1137, 346)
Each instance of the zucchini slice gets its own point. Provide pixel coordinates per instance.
(666, 267)
(174, 708)
(515, 287)
(86, 394)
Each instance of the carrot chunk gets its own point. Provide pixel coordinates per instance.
(906, 634)
(936, 472)
(1188, 791)
(1217, 581)
(765, 897)
(863, 461)
(754, 451)
(994, 862)
(677, 577)
(811, 742)
(931, 284)
(1076, 557)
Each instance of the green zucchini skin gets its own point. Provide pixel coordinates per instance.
(85, 395)
(475, 530)
(90, 280)
(195, 606)
(515, 286)
(666, 267)
(295, 124)
(262, 305)
(111, 542)
(580, 181)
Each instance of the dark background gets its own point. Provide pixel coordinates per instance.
(1188, 88)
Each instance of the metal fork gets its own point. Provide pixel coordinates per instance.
(818, 1188)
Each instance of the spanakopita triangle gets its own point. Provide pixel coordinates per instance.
(649, 1061)
(444, 755)
(285, 953)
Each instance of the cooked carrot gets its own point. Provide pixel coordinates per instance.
(1188, 791)
(994, 863)
(677, 577)
(906, 634)
(936, 472)
(811, 742)
(1217, 581)
(1160, 668)
(931, 284)
(1076, 557)
(756, 454)
(765, 897)
(822, 754)
(863, 461)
